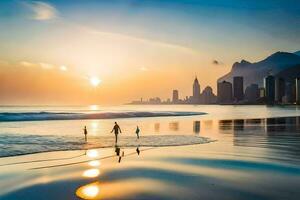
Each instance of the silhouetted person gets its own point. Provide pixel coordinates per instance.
(116, 130)
(85, 133)
(137, 132)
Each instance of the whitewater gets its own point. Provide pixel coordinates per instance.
(42, 116)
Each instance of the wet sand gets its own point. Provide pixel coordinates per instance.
(203, 171)
(253, 156)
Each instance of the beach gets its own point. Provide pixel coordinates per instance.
(252, 153)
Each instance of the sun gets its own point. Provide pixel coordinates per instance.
(95, 81)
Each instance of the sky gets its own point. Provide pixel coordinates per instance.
(115, 51)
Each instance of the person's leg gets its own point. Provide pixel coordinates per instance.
(116, 135)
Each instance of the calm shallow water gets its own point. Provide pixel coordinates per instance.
(256, 156)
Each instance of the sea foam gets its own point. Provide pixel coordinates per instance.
(42, 116)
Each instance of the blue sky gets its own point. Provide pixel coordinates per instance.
(265, 26)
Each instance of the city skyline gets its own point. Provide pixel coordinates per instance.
(51, 51)
(276, 90)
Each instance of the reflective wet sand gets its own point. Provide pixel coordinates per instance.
(251, 159)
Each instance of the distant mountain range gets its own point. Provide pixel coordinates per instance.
(280, 64)
(297, 53)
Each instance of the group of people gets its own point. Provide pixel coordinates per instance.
(116, 129)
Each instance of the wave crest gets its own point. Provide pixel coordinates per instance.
(42, 116)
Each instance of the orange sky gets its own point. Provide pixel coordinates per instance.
(137, 50)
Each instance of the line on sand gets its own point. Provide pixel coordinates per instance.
(44, 160)
(86, 161)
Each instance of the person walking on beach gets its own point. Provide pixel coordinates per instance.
(85, 132)
(116, 130)
(137, 131)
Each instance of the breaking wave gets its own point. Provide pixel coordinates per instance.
(42, 116)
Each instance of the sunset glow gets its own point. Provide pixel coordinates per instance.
(129, 50)
(95, 81)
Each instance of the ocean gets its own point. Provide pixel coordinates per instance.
(205, 151)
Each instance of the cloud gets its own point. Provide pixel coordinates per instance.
(46, 65)
(41, 65)
(42, 11)
(215, 62)
(138, 39)
(26, 64)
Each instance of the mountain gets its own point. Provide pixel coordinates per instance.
(297, 53)
(255, 72)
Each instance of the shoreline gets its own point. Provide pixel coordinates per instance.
(197, 141)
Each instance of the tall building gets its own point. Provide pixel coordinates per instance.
(175, 97)
(252, 93)
(279, 89)
(298, 90)
(207, 96)
(269, 84)
(196, 91)
(224, 92)
(238, 88)
(290, 96)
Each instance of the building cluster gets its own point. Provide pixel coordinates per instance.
(205, 97)
(276, 90)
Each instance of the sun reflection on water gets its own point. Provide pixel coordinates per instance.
(94, 107)
(91, 173)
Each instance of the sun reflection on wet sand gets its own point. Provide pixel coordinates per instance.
(92, 153)
(91, 173)
(90, 191)
(94, 163)
(124, 189)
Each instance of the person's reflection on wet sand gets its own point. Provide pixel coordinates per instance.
(118, 153)
(117, 150)
(138, 150)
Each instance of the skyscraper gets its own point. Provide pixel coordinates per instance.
(224, 92)
(175, 98)
(298, 90)
(238, 88)
(269, 84)
(252, 93)
(279, 89)
(196, 91)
